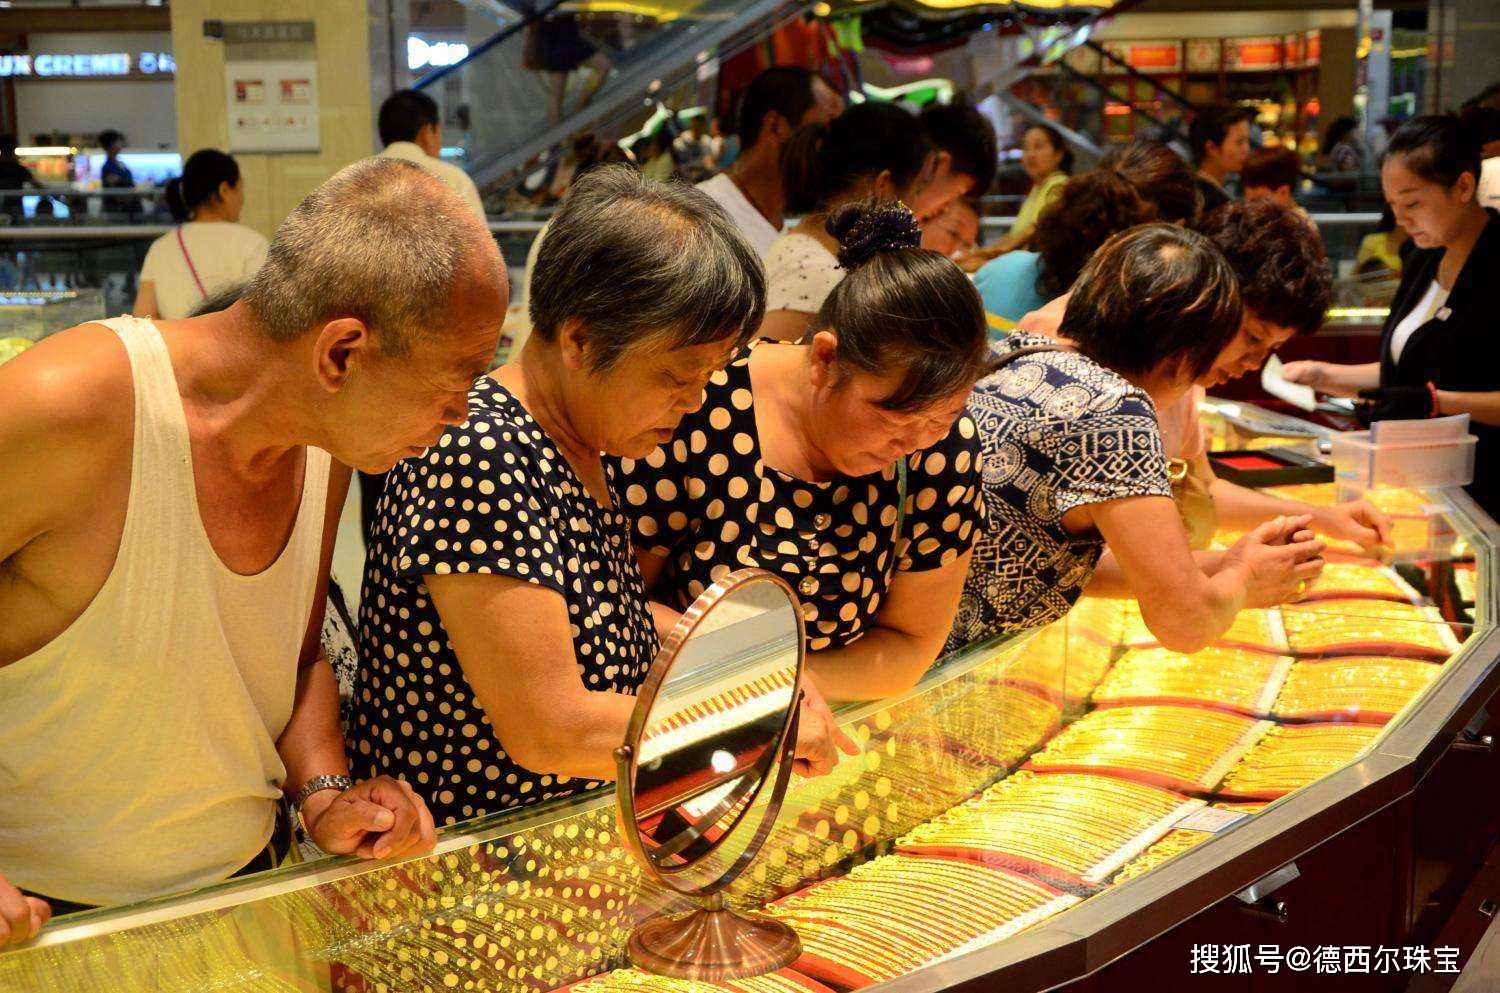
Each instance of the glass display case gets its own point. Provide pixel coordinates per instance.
(1073, 806)
(34, 314)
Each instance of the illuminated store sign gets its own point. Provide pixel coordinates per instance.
(421, 53)
(87, 65)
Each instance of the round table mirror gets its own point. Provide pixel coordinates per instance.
(703, 768)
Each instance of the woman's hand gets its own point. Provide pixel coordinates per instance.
(1276, 561)
(1357, 520)
(819, 737)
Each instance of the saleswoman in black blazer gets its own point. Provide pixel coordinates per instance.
(1440, 349)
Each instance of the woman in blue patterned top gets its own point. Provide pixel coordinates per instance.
(1073, 455)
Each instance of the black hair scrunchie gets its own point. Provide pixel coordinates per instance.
(869, 227)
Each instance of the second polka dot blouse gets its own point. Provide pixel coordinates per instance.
(708, 502)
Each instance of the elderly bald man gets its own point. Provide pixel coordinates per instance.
(168, 505)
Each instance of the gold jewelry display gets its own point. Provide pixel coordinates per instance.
(639, 981)
(1358, 685)
(1317, 494)
(1100, 618)
(1325, 626)
(541, 906)
(1068, 821)
(1229, 677)
(1289, 757)
(1184, 744)
(893, 914)
(1255, 627)
(1360, 579)
(1062, 660)
(1173, 844)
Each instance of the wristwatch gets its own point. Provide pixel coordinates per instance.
(318, 784)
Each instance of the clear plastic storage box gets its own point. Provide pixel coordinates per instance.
(1360, 461)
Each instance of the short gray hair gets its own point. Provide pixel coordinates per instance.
(381, 241)
(644, 266)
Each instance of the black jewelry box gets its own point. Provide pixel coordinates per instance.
(1269, 467)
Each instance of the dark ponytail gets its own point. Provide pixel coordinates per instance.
(902, 307)
(803, 172)
(202, 174)
(1437, 148)
(822, 161)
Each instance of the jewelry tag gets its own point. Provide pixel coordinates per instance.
(1210, 819)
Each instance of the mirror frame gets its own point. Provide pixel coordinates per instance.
(627, 755)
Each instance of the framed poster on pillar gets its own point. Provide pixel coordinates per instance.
(271, 85)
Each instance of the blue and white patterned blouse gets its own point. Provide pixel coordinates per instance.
(1058, 431)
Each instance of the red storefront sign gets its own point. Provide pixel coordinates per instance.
(1250, 54)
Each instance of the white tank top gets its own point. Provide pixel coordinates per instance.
(138, 748)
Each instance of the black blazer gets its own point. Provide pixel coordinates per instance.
(1459, 349)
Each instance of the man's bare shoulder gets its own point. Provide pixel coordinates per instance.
(71, 393)
(78, 379)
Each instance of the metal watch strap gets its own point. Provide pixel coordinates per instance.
(318, 784)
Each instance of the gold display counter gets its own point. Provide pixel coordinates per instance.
(1073, 807)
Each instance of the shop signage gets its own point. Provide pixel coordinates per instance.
(1294, 50)
(1252, 54)
(86, 65)
(1149, 56)
(1203, 55)
(1312, 50)
(422, 54)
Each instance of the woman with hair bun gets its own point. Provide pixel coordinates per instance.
(843, 463)
(210, 250)
(870, 150)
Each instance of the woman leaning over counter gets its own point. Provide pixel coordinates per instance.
(843, 463)
(505, 626)
(1073, 454)
(1439, 353)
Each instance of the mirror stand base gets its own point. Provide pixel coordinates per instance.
(712, 944)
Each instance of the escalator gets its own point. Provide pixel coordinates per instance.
(634, 56)
(645, 53)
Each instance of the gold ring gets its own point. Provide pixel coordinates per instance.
(1302, 585)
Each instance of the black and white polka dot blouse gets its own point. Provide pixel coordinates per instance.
(708, 502)
(494, 496)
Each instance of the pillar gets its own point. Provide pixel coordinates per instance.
(276, 181)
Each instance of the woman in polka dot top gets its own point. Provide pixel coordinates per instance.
(798, 460)
(504, 625)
